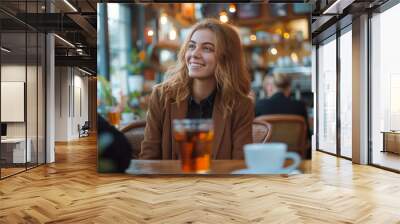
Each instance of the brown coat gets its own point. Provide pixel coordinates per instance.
(230, 134)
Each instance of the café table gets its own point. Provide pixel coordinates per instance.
(167, 167)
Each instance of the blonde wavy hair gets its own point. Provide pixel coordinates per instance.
(232, 77)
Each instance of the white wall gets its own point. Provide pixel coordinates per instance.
(61, 103)
(14, 73)
(33, 127)
(71, 94)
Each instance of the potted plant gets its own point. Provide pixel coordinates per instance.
(127, 115)
(105, 100)
(138, 62)
(134, 102)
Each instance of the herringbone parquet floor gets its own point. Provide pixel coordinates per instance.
(70, 191)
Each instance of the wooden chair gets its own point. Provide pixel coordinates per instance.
(134, 132)
(261, 132)
(289, 129)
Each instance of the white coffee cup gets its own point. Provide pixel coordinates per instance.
(270, 158)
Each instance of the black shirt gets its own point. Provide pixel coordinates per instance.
(280, 104)
(202, 110)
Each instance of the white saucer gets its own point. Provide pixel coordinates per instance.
(250, 171)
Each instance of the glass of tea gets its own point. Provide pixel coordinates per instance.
(194, 137)
(114, 117)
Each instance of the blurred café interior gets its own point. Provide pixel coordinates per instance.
(144, 41)
(277, 38)
(342, 65)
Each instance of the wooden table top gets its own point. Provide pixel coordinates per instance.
(144, 167)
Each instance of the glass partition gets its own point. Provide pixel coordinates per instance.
(13, 87)
(327, 96)
(22, 87)
(385, 88)
(346, 94)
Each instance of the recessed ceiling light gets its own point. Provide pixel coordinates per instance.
(65, 41)
(84, 71)
(337, 7)
(5, 50)
(70, 5)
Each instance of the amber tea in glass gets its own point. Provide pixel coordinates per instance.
(194, 137)
(114, 117)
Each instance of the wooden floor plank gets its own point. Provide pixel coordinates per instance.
(71, 191)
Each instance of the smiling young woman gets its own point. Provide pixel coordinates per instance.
(209, 80)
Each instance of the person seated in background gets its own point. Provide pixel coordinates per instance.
(268, 86)
(281, 103)
(209, 80)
